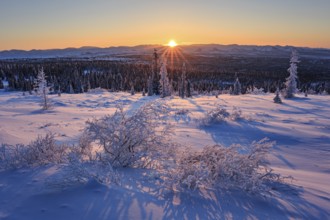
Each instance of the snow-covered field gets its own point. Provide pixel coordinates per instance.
(300, 127)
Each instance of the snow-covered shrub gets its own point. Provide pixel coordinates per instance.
(182, 112)
(76, 164)
(236, 114)
(255, 91)
(220, 114)
(12, 156)
(324, 92)
(190, 172)
(182, 115)
(42, 151)
(79, 170)
(311, 91)
(235, 167)
(139, 139)
(97, 91)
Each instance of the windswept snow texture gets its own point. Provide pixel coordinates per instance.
(300, 126)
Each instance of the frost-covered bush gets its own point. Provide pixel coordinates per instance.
(236, 114)
(139, 139)
(12, 156)
(190, 172)
(220, 114)
(97, 91)
(324, 92)
(255, 91)
(182, 112)
(235, 167)
(42, 151)
(79, 170)
(76, 164)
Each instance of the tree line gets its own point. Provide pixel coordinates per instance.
(77, 76)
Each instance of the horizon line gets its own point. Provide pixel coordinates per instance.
(165, 45)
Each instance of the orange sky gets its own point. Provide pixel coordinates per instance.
(38, 24)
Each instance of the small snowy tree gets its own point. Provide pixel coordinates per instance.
(42, 89)
(89, 85)
(59, 90)
(277, 98)
(291, 81)
(165, 88)
(237, 87)
(71, 91)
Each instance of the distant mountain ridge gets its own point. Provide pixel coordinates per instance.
(202, 49)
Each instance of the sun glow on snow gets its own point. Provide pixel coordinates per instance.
(172, 43)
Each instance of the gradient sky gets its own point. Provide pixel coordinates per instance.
(41, 24)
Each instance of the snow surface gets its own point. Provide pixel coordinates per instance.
(300, 126)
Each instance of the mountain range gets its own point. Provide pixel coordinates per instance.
(196, 49)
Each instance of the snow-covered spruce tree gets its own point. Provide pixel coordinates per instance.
(324, 92)
(237, 87)
(183, 82)
(277, 98)
(59, 90)
(165, 88)
(71, 91)
(89, 85)
(291, 81)
(42, 89)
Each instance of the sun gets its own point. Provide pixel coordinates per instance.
(172, 43)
